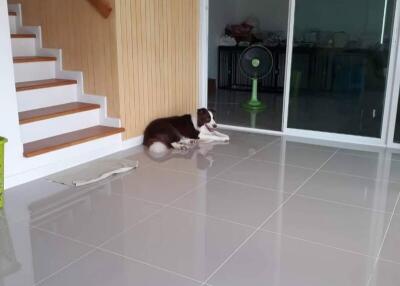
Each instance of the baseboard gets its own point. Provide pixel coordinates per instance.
(131, 143)
(46, 170)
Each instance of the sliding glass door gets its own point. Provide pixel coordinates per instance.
(397, 129)
(340, 64)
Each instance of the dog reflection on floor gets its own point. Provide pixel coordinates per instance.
(202, 154)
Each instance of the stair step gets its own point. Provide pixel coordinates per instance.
(37, 84)
(30, 116)
(68, 139)
(12, 13)
(32, 59)
(18, 36)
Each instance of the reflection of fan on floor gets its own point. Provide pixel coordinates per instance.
(256, 63)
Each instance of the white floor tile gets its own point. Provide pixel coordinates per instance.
(97, 216)
(340, 226)
(188, 244)
(363, 192)
(386, 274)
(208, 165)
(155, 184)
(234, 202)
(268, 175)
(391, 247)
(291, 154)
(373, 168)
(28, 255)
(270, 259)
(103, 269)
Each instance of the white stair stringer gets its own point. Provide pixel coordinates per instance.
(56, 161)
(48, 163)
(13, 23)
(59, 125)
(34, 71)
(46, 97)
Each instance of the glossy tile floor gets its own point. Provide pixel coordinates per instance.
(261, 210)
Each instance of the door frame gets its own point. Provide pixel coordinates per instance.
(395, 101)
(391, 93)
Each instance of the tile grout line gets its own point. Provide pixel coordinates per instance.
(265, 221)
(65, 267)
(281, 164)
(148, 264)
(278, 233)
(99, 247)
(342, 204)
(360, 177)
(247, 157)
(318, 243)
(211, 217)
(374, 268)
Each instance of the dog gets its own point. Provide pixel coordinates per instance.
(182, 132)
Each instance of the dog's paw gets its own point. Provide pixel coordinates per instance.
(194, 141)
(180, 146)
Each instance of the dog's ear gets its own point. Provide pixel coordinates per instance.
(201, 111)
(213, 113)
(203, 117)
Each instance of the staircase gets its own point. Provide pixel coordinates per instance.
(54, 112)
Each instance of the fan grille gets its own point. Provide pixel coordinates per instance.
(256, 62)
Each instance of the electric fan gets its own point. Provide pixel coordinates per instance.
(256, 63)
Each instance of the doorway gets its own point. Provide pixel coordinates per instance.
(234, 25)
(339, 72)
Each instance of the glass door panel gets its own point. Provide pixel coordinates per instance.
(397, 130)
(339, 69)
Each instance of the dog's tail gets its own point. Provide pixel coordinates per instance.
(158, 148)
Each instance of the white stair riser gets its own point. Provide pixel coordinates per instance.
(34, 71)
(59, 125)
(13, 24)
(45, 97)
(23, 46)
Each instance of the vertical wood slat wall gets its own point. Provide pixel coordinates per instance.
(157, 59)
(144, 58)
(88, 42)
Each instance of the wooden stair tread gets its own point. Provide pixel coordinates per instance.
(68, 139)
(31, 59)
(12, 13)
(37, 84)
(18, 36)
(55, 111)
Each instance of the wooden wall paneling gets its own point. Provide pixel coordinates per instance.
(88, 41)
(144, 58)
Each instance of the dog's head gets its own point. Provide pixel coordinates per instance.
(206, 117)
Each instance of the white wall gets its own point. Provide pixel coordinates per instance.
(9, 125)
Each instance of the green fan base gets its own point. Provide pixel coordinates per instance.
(254, 105)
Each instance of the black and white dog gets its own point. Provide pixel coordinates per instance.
(182, 132)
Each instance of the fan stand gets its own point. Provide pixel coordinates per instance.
(254, 103)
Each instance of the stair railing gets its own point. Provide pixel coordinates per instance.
(102, 6)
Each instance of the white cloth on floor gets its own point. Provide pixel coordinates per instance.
(93, 172)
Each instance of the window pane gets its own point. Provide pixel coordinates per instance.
(339, 67)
